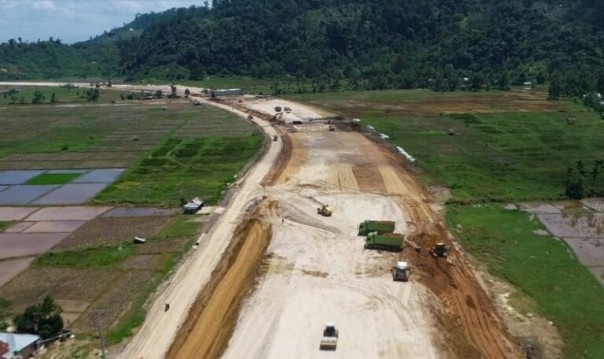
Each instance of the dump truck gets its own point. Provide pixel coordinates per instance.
(388, 241)
(324, 210)
(379, 227)
(400, 271)
(329, 341)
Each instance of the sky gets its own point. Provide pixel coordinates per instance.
(73, 20)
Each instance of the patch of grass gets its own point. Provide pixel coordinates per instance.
(53, 178)
(133, 318)
(542, 268)
(87, 258)
(249, 84)
(507, 146)
(190, 167)
(25, 94)
(181, 227)
(4, 225)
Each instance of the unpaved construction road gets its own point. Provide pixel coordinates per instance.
(316, 269)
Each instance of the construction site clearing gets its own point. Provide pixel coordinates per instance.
(298, 258)
(328, 246)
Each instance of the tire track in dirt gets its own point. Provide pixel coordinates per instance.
(213, 317)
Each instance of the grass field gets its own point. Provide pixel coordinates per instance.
(542, 267)
(507, 146)
(25, 94)
(4, 225)
(180, 152)
(53, 178)
(89, 257)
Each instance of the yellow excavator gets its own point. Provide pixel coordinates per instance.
(324, 210)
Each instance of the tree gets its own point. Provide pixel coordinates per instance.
(38, 97)
(574, 184)
(53, 98)
(43, 319)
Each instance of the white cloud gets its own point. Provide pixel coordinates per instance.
(73, 20)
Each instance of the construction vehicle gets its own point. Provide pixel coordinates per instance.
(387, 241)
(275, 138)
(439, 250)
(379, 227)
(329, 341)
(332, 128)
(400, 271)
(324, 210)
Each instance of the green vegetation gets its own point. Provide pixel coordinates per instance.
(317, 46)
(43, 319)
(86, 258)
(541, 267)
(509, 154)
(4, 225)
(182, 168)
(4, 304)
(53, 178)
(181, 227)
(18, 95)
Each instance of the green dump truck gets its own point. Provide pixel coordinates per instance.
(380, 227)
(388, 241)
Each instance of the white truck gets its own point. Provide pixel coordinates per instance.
(400, 271)
(329, 341)
(192, 206)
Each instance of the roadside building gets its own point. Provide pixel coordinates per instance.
(226, 92)
(18, 346)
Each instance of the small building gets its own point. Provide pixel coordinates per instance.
(226, 92)
(17, 346)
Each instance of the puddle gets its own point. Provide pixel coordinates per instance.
(72, 193)
(17, 176)
(24, 194)
(106, 175)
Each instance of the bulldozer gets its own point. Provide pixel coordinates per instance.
(439, 250)
(324, 210)
(329, 341)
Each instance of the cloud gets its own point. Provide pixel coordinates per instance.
(73, 20)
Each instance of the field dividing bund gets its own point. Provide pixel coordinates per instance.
(502, 147)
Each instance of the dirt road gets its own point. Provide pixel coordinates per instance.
(153, 339)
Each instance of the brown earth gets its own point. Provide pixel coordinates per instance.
(213, 316)
(468, 315)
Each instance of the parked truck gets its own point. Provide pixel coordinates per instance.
(379, 227)
(388, 241)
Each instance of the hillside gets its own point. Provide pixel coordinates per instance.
(363, 44)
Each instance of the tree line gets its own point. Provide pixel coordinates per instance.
(344, 44)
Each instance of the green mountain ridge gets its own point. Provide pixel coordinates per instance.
(359, 44)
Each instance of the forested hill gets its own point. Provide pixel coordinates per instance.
(376, 44)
